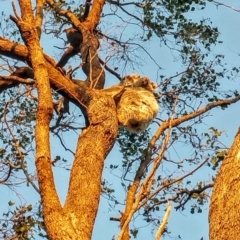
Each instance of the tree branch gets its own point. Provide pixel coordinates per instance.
(117, 3)
(126, 43)
(49, 196)
(175, 122)
(160, 188)
(117, 75)
(7, 82)
(225, 5)
(86, 10)
(89, 46)
(2, 181)
(39, 16)
(164, 222)
(190, 193)
(75, 93)
(132, 199)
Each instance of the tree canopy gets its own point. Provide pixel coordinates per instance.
(61, 63)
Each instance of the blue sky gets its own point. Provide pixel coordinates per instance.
(190, 227)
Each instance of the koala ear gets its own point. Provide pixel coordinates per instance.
(134, 76)
(154, 86)
(126, 78)
(145, 81)
(138, 76)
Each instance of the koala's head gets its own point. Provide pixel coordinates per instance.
(130, 79)
(135, 80)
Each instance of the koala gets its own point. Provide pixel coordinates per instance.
(135, 80)
(137, 106)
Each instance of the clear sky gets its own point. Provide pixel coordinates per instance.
(190, 227)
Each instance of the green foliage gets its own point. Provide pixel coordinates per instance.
(17, 117)
(130, 143)
(170, 18)
(134, 232)
(22, 223)
(132, 146)
(173, 25)
(218, 158)
(8, 29)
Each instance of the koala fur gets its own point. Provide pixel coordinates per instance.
(135, 80)
(137, 106)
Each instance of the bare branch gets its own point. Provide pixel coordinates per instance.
(2, 181)
(39, 16)
(190, 193)
(124, 44)
(15, 79)
(7, 82)
(62, 143)
(116, 219)
(17, 147)
(15, 11)
(164, 222)
(170, 183)
(175, 122)
(182, 192)
(117, 3)
(23, 72)
(117, 75)
(86, 10)
(225, 5)
(133, 16)
(58, 81)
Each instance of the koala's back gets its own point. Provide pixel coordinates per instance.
(136, 109)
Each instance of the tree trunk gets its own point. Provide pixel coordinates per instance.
(94, 144)
(224, 216)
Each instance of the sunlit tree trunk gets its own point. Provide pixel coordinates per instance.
(224, 216)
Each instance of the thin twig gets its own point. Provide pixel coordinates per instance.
(171, 183)
(225, 5)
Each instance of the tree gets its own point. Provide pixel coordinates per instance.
(224, 212)
(180, 98)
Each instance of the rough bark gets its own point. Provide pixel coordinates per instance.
(76, 93)
(93, 146)
(224, 215)
(76, 219)
(89, 46)
(49, 196)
